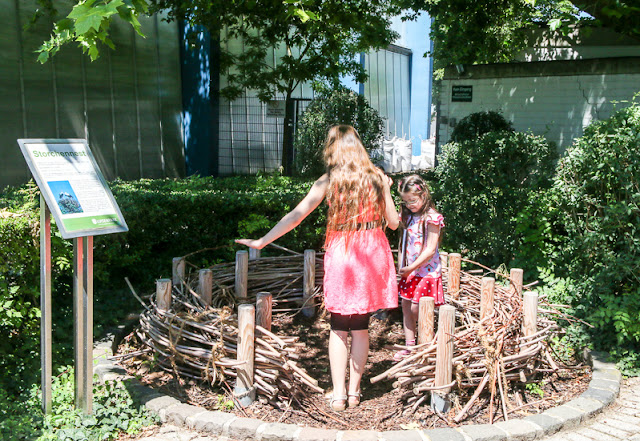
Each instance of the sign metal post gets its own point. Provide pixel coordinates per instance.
(45, 305)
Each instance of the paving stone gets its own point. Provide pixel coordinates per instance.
(595, 435)
(609, 430)
(244, 428)
(210, 421)
(631, 396)
(599, 361)
(401, 435)
(635, 438)
(624, 417)
(606, 397)
(484, 432)
(630, 404)
(178, 414)
(613, 421)
(613, 386)
(359, 435)
(444, 435)
(520, 430)
(142, 394)
(313, 434)
(279, 431)
(568, 415)
(575, 436)
(588, 406)
(607, 374)
(161, 403)
(548, 424)
(628, 411)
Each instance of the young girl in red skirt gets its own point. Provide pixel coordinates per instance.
(421, 274)
(359, 274)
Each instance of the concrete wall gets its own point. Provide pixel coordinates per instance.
(556, 99)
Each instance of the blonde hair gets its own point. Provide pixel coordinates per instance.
(356, 191)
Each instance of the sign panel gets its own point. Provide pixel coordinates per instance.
(73, 187)
(462, 94)
(276, 108)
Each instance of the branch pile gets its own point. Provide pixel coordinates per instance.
(282, 276)
(488, 354)
(201, 343)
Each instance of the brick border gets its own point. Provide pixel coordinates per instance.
(603, 390)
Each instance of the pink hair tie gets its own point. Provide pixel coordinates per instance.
(418, 187)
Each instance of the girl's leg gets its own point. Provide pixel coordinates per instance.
(359, 354)
(409, 317)
(338, 354)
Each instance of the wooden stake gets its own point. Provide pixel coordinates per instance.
(426, 310)
(254, 254)
(205, 285)
(444, 260)
(444, 358)
(309, 283)
(444, 351)
(242, 273)
(244, 391)
(516, 276)
(530, 314)
(454, 275)
(487, 293)
(177, 271)
(263, 310)
(163, 294)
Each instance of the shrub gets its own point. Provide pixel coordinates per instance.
(485, 184)
(166, 218)
(598, 191)
(331, 107)
(477, 124)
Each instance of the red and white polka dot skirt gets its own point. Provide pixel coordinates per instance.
(414, 287)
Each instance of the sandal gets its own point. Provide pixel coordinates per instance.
(338, 403)
(401, 354)
(354, 399)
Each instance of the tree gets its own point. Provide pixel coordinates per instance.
(320, 39)
(493, 31)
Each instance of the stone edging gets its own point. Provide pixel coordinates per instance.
(603, 390)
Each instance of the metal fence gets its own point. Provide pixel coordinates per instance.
(250, 140)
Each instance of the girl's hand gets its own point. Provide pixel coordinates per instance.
(405, 271)
(251, 243)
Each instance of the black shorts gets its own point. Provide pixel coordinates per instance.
(349, 322)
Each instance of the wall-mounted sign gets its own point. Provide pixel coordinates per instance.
(73, 187)
(276, 108)
(462, 94)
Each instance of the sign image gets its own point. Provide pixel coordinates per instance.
(73, 187)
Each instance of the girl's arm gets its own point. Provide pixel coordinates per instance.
(390, 213)
(433, 235)
(294, 217)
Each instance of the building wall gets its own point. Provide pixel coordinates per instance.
(127, 104)
(555, 99)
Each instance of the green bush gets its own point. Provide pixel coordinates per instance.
(166, 219)
(477, 124)
(485, 184)
(114, 412)
(597, 189)
(331, 107)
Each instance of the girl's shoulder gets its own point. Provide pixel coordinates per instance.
(433, 217)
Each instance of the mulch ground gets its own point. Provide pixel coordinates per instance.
(381, 407)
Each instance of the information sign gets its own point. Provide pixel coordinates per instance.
(276, 108)
(73, 187)
(462, 94)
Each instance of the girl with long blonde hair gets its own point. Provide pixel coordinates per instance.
(359, 276)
